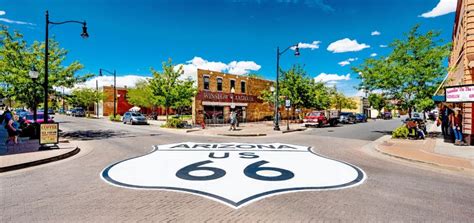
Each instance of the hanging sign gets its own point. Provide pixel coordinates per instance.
(234, 174)
(460, 93)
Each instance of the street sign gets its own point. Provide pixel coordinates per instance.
(287, 103)
(49, 133)
(234, 174)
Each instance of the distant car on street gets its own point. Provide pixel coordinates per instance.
(69, 112)
(51, 111)
(387, 115)
(78, 112)
(321, 118)
(134, 118)
(361, 117)
(39, 118)
(347, 117)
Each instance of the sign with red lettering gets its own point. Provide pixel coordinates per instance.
(49, 133)
(460, 94)
(226, 97)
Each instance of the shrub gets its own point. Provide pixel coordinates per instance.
(117, 118)
(174, 123)
(400, 132)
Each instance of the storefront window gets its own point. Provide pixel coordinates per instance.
(232, 84)
(242, 87)
(206, 83)
(219, 84)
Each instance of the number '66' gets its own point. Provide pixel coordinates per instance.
(249, 171)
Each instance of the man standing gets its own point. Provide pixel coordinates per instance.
(444, 112)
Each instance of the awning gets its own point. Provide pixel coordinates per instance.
(438, 98)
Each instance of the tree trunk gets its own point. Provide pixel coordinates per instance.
(409, 112)
(166, 112)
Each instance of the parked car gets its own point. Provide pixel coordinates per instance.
(347, 117)
(78, 112)
(321, 118)
(39, 118)
(361, 117)
(134, 118)
(51, 111)
(69, 112)
(387, 115)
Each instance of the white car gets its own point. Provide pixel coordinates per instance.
(69, 112)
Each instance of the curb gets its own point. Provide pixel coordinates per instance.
(376, 148)
(192, 130)
(293, 130)
(244, 135)
(40, 162)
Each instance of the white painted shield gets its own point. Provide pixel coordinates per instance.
(233, 173)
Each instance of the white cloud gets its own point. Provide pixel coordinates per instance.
(234, 67)
(330, 78)
(442, 8)
(344, 63)
(375, 33)
(383, 46)
(122, 81)
(346, 45)
(373, 55)
(348, 61)
(2, 12)
(312, 46)
(16, 22)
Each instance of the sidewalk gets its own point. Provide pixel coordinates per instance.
(251, 129)
(27, 154)
(432, 151)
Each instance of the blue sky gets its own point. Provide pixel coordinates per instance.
(237, 36)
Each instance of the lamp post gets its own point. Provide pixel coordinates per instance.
(97, 92)
(297, 53)
(34, 75)
(232, 92)
(115, 87)
(84, 35)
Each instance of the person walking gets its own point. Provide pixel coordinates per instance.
(444, 121)
(456, 125)
(233, 120)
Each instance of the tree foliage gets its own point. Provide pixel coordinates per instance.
(17, 58)
(142, 95)
(377, 101)
(339, 101)
(411, 73)
(169, 89)
(85, 97)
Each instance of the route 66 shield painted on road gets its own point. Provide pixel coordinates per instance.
(233, 173)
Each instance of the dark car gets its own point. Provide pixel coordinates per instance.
(347, 117)
(78, 112)
(51, 111)
(361, 117)
(387, 115)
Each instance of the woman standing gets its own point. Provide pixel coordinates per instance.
(456, 121)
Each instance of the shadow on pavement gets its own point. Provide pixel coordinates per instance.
(384, 132)
(94, 135)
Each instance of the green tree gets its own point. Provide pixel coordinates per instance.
(17, 58)
(377, 101)
(412, 71)
(339, 101)
(168, 87)
(142, 95)
(86, 97)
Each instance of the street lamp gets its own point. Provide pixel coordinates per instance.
(34, 75)
(232, 92)
(297, 53)
(97, 92)
(84, 35)
(115, 87)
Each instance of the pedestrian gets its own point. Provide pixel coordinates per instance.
(444, 121)
(233, 120)
(456, 125)
(12, 131)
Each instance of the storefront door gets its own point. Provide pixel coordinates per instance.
(214, 114)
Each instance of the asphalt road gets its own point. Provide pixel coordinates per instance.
(73, 191)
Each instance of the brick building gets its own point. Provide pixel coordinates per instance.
(215, 99)
(462, 62)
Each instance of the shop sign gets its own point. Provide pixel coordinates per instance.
(234, 174)
(287, 103)
(227, 97)
(49, 133)
(460, 93)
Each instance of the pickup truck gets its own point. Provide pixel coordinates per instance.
(321, 118)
